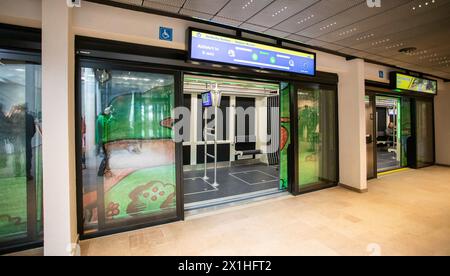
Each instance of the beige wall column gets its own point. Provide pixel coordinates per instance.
(442, 124)
(58, 128)
(352, 127)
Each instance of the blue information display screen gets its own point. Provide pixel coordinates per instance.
(221, 49)
(207, 99)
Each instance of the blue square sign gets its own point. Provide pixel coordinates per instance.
(165, 34)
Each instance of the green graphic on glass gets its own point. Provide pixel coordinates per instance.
(132, 158)
(284, 134)
(317, 136)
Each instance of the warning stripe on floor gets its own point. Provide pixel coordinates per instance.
(393, 171)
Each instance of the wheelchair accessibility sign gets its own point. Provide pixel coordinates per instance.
(165, 34)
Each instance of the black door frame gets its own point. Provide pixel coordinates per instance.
(372, 100)
(381, 89)
(22, 44)
(414, 164)
(31, 240)
(113, 228)
(295, 187)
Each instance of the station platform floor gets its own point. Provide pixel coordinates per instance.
(405, 213)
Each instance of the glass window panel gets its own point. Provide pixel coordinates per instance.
(20, 152)
(317, 136)
(425, 133)
(128, 154)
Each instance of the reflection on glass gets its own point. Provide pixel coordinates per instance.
(425, 133)
(128, 155)
(317, 136)
(20, 152)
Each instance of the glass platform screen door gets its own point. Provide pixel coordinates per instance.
(128, 161)
(317, 136)
(21, 216)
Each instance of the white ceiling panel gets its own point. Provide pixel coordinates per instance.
(226, 21)
(276, 33)
(196, 14)
(341, 21)
(206, 6)
(387, 24)
(160, 6)
(279, 11)
(131, 2)
(241, 10)
(173, 3)
(254, 28)
(316, 13)
(298, 38)
(346, 26)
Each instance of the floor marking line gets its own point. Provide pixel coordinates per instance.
(215, 189)
(257, 183)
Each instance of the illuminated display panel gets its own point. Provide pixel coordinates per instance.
(411, 83)
(222, 49)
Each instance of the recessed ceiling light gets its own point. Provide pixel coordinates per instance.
(423, 5)
(348, 32)
(328, 26)
(381, 41)
(365, 37)
(306, 19)
(247, 4)
(279, 11)
(395, 46)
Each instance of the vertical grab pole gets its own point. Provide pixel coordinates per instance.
(205, 134)
(215, 146)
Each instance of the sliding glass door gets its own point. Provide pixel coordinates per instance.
(317, 136)
(424, 132)
(127, 155)
(20, 150)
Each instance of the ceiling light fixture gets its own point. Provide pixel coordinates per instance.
(348, 32)
(248, 4)
(306, 19)
(381, 41)
(423, 5)
(328, 26)
(395, 46)
(279, 11)
(365, 37)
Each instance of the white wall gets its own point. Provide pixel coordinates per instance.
(352, 127)
(442, 124)
(372, 72)
(21, 12)
(58, 102)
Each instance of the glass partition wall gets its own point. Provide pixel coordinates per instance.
(317, 136)
(20, 152)
(128, 155)
(424, 131)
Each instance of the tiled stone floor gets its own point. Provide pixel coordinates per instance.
(406, 213)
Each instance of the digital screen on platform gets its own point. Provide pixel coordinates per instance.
(221, 49)
(207, 99)
(411, 83)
